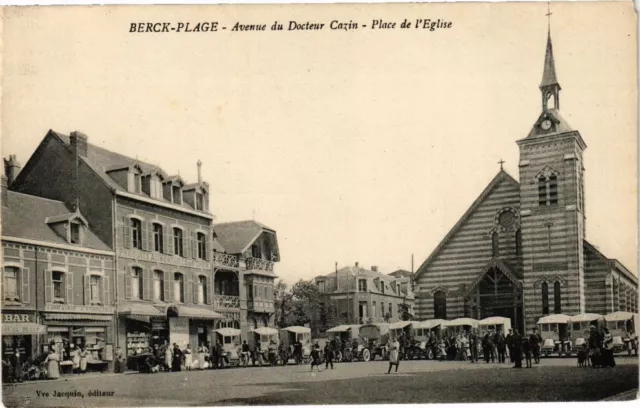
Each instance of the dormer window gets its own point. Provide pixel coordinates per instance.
(200, 201)
(137, 183)
(74, 233)
(176, 194)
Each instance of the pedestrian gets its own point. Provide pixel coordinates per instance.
(473, 345)
(17, 364)
(168, 357)
(535, 340)
(188, 358)
(517, 349)
(53, 368)
(595, 346)
(315, 358)
(607, 349)
(84, 357)
(217, 357)
(526, 349)
(75, 358)
(509, 343)
(176, 361)
(119, 361)
(394, 351)
(328, 355)
(501, 346)
(487, 348)
(201, 357)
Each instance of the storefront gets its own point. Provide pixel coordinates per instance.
(191, 325)
(21, 332)
(87, 328)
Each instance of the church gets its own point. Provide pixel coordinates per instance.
(520, 250)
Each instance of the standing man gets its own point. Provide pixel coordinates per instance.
(509, 342)
(394, 350)
(517, 349)
(535, 340)
(500, 342)
(473, 345)
(328, 355)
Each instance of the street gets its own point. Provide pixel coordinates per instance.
(416, 382)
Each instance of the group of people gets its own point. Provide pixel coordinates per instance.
(165, 357)
(598, 348)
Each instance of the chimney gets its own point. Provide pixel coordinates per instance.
(199, 172)
(11, 169)
(4, 195)
(78, 143)
(357, 265)
(374, 268)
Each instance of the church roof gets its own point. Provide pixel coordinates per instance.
(561, 125)
(502, 176)
(549, 77)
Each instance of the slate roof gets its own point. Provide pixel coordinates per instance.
(24, 217)
(401, 273)
(549, 73)
(101, 161)
(500, 177)
(236, 237)
(562, 126)
(362, 272)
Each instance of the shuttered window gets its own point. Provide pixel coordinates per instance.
(178, 287)
(158, 240)
(178, 247)
(202, 246)
(136, 233)
(158, 285)
(10, 289)
(96, 282)
(136, 283)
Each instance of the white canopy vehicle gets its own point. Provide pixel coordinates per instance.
(553, 330)
(263, 337)
(231, 346)
(579, 329)
(422, 332)
(454, 326)
(495, 323)
(290, 335)
(344, 335)
(622, 326)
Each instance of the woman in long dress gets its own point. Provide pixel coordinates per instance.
(53, 370)
(188, 358)
(168, 358)
(394, 348)
(201, 357)
(83, 360)
(75, 358)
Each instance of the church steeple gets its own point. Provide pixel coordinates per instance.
(549, 85)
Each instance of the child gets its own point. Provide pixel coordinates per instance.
(315, 358)
(583, 356)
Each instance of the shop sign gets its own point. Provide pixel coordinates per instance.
(17, 318)
(158, 323)
(160, 258)
(179, 331)
(79, 309)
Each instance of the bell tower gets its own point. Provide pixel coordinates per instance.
(552, 207)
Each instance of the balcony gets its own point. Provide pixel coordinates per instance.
(257, 264)
(226, 302)
(262, 306)
(225, 260)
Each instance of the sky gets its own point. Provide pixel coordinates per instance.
(355, 146)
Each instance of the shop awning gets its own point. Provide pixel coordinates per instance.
(77, 316)
(227, 331)
(141, 309)
(197, 313)
(23, 329)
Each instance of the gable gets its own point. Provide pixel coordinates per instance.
(465, 250)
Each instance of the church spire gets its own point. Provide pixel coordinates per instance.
(549, 85)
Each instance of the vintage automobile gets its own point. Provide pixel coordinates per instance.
(495, 323)
(554, 330)
(404, 332)
(622, 326)
(372, 341)
(231, 346)
(344, 335)
(579, 330)
(454, 326)
(266, 338)
(289, 336)
(422, 332)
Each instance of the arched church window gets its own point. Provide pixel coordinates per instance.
(553, 190)
(547, 190)
(545, 298)
(557, 299)
(518, 243)
(495, 244)
(440, 305)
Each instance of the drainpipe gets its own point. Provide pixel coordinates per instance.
(115, 270)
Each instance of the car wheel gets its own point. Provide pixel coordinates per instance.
(366, 355)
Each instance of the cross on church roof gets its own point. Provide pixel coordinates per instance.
(501, 162)
(549, 13)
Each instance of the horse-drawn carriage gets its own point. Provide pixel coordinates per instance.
(372, 341)
(343, 337)
(623, 327)
(554, 331)
(288, 338)
(231, 346)
(266, 338)
(579, 330)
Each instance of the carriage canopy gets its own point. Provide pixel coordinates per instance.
(462, 321)
(555, 319)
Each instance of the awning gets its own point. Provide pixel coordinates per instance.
(297, 329)
(585, 317)
(342, 328)
(618, 316)
(462, 321)
(494, 320)
(227, 331)
(197, 313)
(265, 331)
(141, 309)
(22, 329)
(554, 319)
(400, 325)
(77, 316)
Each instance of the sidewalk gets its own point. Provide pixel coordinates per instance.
(68, 377)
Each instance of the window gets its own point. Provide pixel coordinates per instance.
(557, 299)
(495, 244)
(373, 309)
(177, 242)
(136, 233)
(202, 290)
(255, 251)
(390, 310)
(545, 298)
(518, 243)
(178, 287)
(176, 194)
(199, 201)
(548, 190)
(382, 309)
(137, 183)
(382, 284)
(202, 246)
(157, 238)
(362, 285)
(440, 305)
(95, 289)
(249, 292)
(321, 286)
(74, 233)
(57, 280)
(136, 283)
(158, 285)
(10, 287)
